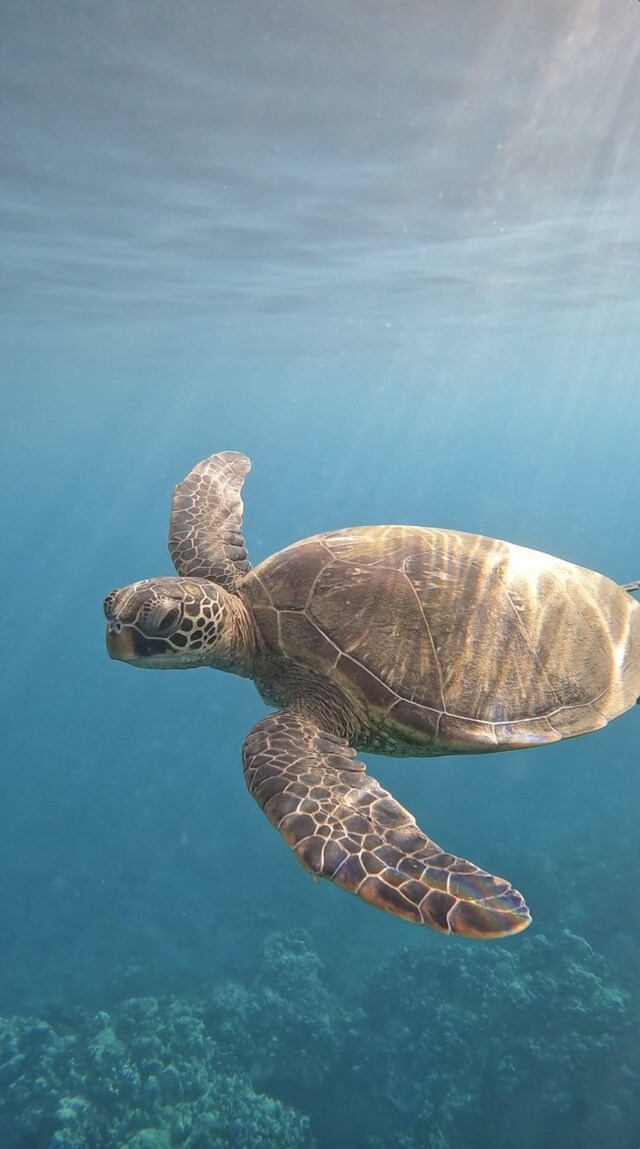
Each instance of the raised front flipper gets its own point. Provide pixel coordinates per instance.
(205, 533)
(343, 826)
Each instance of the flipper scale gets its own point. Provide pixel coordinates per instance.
(359, 837)
(205, 532)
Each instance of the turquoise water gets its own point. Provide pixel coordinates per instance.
(392, 253)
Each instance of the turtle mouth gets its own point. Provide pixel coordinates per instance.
(121, 644)
(127, 644)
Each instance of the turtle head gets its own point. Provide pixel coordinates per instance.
(177, 623)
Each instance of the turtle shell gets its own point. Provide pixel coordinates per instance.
(449, 642)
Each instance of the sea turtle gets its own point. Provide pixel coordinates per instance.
(390, 639)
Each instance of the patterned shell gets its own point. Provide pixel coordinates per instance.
(451, 642)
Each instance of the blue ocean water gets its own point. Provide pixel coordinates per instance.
(391, 252)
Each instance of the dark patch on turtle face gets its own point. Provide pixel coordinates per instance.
(130, 646)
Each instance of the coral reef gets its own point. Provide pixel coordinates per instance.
(145, 1076)
(478, 1045)
(286, 1026)
(443, 1045)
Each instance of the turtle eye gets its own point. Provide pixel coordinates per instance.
(170, 621)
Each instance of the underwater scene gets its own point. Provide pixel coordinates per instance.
(389, 252)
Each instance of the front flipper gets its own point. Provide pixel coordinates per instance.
(205, 532)
(343, 826)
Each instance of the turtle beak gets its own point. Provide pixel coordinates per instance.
(120, 644)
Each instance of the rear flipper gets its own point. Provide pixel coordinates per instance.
(343, 826)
